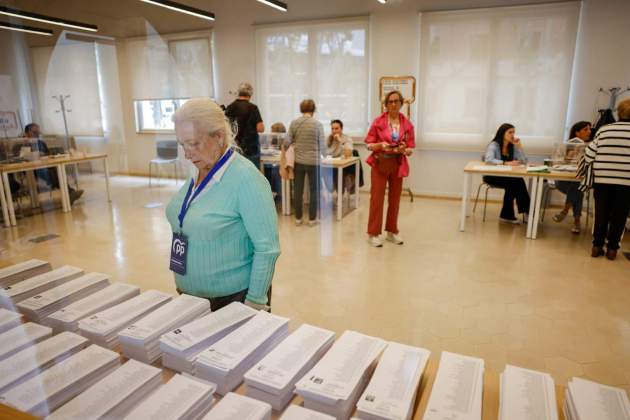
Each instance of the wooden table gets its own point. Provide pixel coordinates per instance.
(339, 164)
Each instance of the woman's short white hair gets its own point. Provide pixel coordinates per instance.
(206, 116)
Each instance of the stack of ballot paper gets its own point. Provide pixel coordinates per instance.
(52, 388)
(67, 319)
(181, 398)
(586, 400)
(33, 286)
(9, 319)
(225, 362)
(141, 341)
(180, 347)
(394, 386)
(38, 307)
(113, 396)
(458, 388)
(22, 336)
(527, 394)
(273, 378)
(30, 361)
(102, 328)
(18, 272)
(334, 385)
(297, 412)
(234, 406)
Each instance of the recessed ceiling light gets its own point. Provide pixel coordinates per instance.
(382, 1)
(182, 8)
(27, 29)
(276, 4)
(47, 19)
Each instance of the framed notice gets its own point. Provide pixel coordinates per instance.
(404, 84)
(8, 123)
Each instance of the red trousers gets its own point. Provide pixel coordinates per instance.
(384, 172)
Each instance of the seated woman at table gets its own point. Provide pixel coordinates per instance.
(338, 145)
(507, 149)
(580, 133)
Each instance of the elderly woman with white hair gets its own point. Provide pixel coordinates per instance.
(225, 229)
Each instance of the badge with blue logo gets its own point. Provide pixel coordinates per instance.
(179, 247)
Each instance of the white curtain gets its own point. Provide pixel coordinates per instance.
(327, 62)
(481, 68)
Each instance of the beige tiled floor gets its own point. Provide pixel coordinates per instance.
(488, 292)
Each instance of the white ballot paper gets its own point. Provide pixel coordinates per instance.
(43, 393)
(527, 395)
(113, 396)
(181, 346)
(22, 336)
(67, 319)
(181, 398)
(586, 400)
(273, 378)
(234, 406)
(32, 360)
(11, 295)
(18, 272)
(457, 390)
(333, 386)
(393, 388)
(9, 319)
(297, 412)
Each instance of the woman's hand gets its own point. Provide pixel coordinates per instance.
(517, 142)
(408, 152)
(257, 306)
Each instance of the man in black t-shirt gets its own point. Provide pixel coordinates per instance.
(249, 122)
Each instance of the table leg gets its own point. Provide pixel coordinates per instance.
(5, 210)
(63, 188)
(339, 193)
(471, 199)
(465, 192)
(537, 208)
(357, 174)
(106, 170)
(32, 186)
(9, 199)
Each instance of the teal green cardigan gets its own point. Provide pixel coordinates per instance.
(232, 231)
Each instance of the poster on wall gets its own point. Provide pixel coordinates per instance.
(9, 126)
(404, 84)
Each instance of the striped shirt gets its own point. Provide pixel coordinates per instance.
(307, 134)
(609, 154)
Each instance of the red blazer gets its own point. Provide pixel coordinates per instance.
(381, 132)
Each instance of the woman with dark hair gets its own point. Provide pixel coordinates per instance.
(506, 149)
(580, 134)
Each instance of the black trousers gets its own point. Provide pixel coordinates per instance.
(220, 302)
(301, 171)
(515, 189)
(612, 204)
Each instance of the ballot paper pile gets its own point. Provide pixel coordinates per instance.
(52, 388)
(67, 319)
(393, 388)
(234, 406)
(525, 393)
(181, 346)
(181, 398)
(273, 378)
(113, 396)
(22, 336)
(12, 295)
(39, 307)
(9, 319)
(335, 383)
(103, 327)
(586, 400)
(18, 272)
(141, 340)
(225, 362)
(297, 412)
(457, 389)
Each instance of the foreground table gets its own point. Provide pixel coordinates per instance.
(339, 164)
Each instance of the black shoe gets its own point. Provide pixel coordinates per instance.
(611, 254)
(597, 251)
(74, 195)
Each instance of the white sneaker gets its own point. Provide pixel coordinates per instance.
(395, 238)
(514, 221)
(375, 241)
(298, 222)
(313, 222)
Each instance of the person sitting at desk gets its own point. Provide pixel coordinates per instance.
(338, 145)
(580, 133)
(506, 149)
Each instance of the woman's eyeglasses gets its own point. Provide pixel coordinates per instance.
(393, 101)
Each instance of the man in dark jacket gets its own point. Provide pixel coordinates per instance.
(249, 123)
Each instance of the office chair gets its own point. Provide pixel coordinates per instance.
(166, 154)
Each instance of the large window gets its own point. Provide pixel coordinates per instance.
(154, 115)
(480, 68)
(327, 62)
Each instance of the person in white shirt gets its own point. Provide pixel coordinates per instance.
(338, 145)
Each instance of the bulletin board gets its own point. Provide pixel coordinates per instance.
(404, 84)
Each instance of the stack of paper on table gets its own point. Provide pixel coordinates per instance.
(67, 319)
(18, 272)
(586, 400)
(273, 378)
(102, 328)
(297, 412)
(458, 388)
(392, 391)
(141, 341)
(52, 388)
(9, 319)
(334, 385)
(113, 396)
(234, 406)
(527, 394)
(181, 346)
(492, 168)
(226, 361)
(30, 361)
(38, 307)
(11, 295)
(181, 398)
(20, 337)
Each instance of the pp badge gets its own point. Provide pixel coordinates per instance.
(179, 249)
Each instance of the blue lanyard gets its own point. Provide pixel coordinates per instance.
(186, 204)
